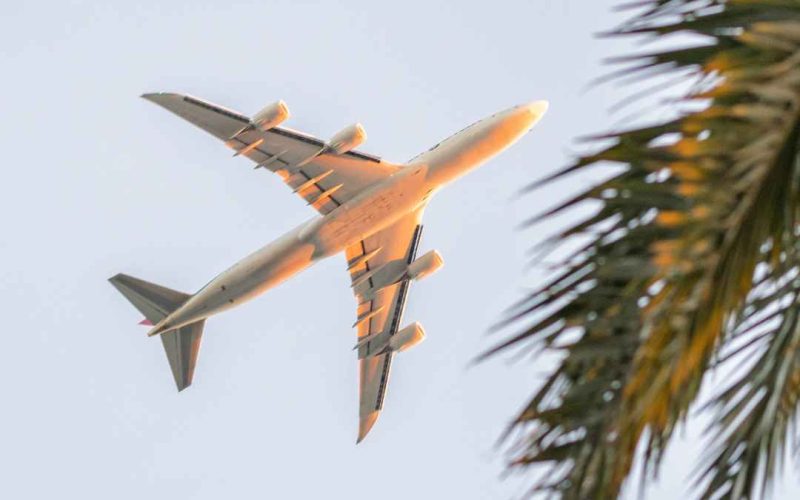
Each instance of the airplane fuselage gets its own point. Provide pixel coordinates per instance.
(372, 210)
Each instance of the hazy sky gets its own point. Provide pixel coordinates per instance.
(97, 181)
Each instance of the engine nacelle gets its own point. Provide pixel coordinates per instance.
(271, 116)
(381, 342)
(347, 139)
(425, 265)
(396, 271)
(407, 338)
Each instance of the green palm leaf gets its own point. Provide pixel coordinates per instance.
(755, 411)
(665, 279)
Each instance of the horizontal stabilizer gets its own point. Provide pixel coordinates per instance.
(156, 302)
(182, 346)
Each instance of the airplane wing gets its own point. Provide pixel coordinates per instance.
(385, 311)
(324, 181)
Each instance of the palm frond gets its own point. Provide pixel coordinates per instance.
(755, 414)
(673, 251)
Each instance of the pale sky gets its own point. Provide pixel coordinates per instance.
(98, 181)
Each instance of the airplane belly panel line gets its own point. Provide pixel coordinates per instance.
(367, 208)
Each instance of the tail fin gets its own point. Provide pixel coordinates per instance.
(155, 303)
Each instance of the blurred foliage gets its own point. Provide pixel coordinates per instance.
(687, 266)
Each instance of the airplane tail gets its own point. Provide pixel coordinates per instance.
(155, 303)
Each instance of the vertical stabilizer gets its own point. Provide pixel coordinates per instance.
(156, 302)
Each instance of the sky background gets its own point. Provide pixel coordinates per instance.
(97, 181)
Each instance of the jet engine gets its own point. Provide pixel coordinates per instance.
(382, 342)
(425, 266)
(271, 116)
(347, 139)
(407, 338)
(396, 271)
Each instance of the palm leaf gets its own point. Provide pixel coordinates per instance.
(665, 275)
(755, 412)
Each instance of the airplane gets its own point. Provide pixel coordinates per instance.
(369, 209)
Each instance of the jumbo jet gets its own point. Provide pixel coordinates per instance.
(368, 208)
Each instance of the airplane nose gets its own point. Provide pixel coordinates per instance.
(535, 111)
(522, 118)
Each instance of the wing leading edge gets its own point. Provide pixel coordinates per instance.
(384, 312)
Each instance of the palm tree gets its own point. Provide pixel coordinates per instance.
(690, 265)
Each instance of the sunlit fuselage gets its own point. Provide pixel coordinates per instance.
(374, 209)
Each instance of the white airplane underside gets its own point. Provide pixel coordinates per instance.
(368, 209)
